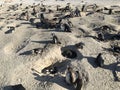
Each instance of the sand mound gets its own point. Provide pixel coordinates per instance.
(51, 55)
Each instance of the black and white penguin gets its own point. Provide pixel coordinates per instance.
(55, 39)
(32, 20)
(99, 60)
(36, 51)
(80, 45)
(77, 12)
(11, 29)
(50, 70)
(101, 36)
(70, 23)
(53, 70)
(115, 48)
(66, 27)
(79, 82)
(71, 76)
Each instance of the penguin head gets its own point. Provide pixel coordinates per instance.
(53, 34)
(69, 68)
(99, 54)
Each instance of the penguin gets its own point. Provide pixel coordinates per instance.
(99, 60)
(53, 70)
(50, 11)
(79, 82)
(24, 16)
(80, 45)
(83, 8)
(34, 11)
(32, 20)
(58, 24)
(101, 36)
(70, 23)
(110, 12)
(55, 39)
(58, 9)
(66, 27)
(105, 28)
(115, 48)
(11, 29)
(36, 51)
(71, 76)
(50, 70)
(77, 12)
(42, 18)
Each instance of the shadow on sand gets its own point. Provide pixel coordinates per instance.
(113, 68)
(56, 79)
(91, 61)
(8, 32)
(43, 42)
(26, 53)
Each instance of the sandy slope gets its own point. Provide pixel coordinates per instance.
(16, 61)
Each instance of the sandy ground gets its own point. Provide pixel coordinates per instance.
(19, 66)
